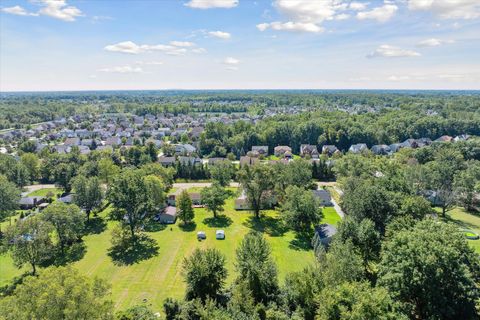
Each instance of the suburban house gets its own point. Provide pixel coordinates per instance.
(444, 139)
(167, 216)
(72, 142)
(309, 150)
(263, 150)
(194, 196)
(30, 202)
(279, 151)
(381, 149)
(185, 149)
(329, 149)
(248, 161)
(358, 148)
(166, 161)
(241, 202)
(323, 197)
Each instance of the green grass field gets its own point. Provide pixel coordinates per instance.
(465, 220)
(160, 277)
(44, 192)
(330, 216)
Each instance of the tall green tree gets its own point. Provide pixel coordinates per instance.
(256, 181)
(58, 293)
(366, 200)
(432, 271)
(133, 197)
(222, 172)
(467, 185)
(184, 206)
(356, 300)
(256, 267)
(88, 193)
(107, 169)
(32, 164)
(9, 197)
(67, 220)
(214, 197)
(300, 209)
(29, 242)
(441, 174)
(205, 274)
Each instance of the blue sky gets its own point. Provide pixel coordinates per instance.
(229, 44)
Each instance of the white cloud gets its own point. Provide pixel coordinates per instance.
(132, 48)
(398, 78)
(122, 69)
(125, 47)
(308, 15)
(448, 9)
(199, 50)
(59, 9)
(149, 63)
(291, 26)
(231, 61)
(182, 44)
(311, 11)
(19, 11)
(381, 14)
(342, 16)
(220, 34)
(388, 51)
(208, 4)
(433, 42)
(358, 6)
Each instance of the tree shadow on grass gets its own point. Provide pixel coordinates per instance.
(302, 242)
(188, 227)
(154, 226)
(73, 253)
(462, 224)
(9, 288)
(96, 225)
(272, 226)
(218, 222)
(128, 252)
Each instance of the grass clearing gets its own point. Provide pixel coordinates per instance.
(44, 192)
(330, 216)
(466, 221)
(160, 277)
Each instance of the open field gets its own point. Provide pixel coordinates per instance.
(159, 277)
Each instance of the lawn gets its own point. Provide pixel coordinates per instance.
(159, 277)
(44, 192)
(330, 216)
(466, 221)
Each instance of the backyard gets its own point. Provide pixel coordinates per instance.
(159, 277)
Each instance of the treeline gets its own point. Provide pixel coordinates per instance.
(340, 129)
(17, 110)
